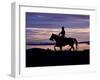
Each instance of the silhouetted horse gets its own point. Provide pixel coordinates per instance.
(60, 42)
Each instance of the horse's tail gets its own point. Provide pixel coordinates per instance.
(76, 42)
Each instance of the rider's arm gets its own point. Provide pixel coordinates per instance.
(59, 33)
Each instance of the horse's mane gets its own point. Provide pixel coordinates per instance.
(55, 34)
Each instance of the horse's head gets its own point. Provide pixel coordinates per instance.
(52, 38)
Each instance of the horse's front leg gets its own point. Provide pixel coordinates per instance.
(55, 47)
(60, 48)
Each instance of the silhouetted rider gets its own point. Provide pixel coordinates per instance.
(62, 33)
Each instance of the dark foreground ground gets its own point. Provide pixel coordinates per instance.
(40, 57)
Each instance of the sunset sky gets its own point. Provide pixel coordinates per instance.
(40, 26)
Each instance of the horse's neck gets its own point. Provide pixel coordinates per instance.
(56, 38)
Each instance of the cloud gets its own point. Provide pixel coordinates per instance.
(43, 34)
(38, 20)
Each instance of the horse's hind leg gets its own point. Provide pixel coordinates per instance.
(73, 48)
(70, 49)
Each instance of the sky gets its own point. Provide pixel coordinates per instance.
(40, 26)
